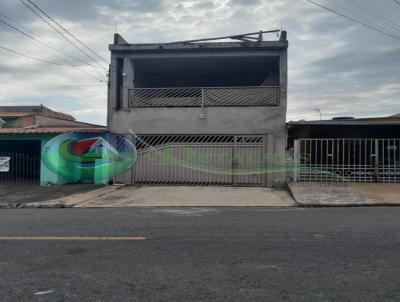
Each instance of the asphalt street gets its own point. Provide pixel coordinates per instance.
(200, 254)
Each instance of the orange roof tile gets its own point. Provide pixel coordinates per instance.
(51, 130)
(14, 114)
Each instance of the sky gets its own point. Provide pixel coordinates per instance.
(335, 65)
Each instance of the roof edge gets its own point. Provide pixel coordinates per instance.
(276, 45)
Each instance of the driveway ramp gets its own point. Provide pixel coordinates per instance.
(345, 194)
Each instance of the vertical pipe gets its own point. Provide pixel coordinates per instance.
(389, 152)
(295, 160)
(376, 169)
(359, 160)
(316, 157)
(233, 160)
(270, 159)
(396, 161)
(16, 169)
(320, 160)
(23, 172)
(383, 168)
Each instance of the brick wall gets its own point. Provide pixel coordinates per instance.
(25, 121)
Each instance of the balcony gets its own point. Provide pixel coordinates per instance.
(204, 96)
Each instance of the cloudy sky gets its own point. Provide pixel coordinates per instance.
(336, 65)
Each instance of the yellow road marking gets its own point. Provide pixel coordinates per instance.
(83, 238)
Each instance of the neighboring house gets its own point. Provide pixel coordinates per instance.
(345, 127)
(23, 133)
(24, 116)
(347, 149)
(223, 100)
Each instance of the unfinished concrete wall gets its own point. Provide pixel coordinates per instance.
(265, 120)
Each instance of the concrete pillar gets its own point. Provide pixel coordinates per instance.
(111, 102)
(127, 82)
(270, 156)
(283, 78)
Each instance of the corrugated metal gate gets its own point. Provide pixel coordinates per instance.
(347, 160)
(225, 160)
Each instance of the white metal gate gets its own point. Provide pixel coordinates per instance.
(225, 160)
(347, 160)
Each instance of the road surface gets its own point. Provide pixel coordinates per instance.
(200, 254)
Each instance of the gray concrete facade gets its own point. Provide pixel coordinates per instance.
(218, 64)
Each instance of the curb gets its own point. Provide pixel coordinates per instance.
(82, 198)
(348, 205)
(348, 196)
(33, 205)
(289, 190)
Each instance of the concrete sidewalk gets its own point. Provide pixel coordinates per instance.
(345, 194)
(31, 196)
(165, 196)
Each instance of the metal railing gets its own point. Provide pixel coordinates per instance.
(204, 97)
(347, 160)
(19, 169)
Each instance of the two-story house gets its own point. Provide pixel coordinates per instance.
(207, 113)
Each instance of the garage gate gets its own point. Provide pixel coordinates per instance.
(225, 160)
(347, 160)
(20, 162)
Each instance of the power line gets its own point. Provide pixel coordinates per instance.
(27, 35)
(354, 14)
(362, 10)
(36, 59)
(355, 20)
(8, 25)
(68, 32)
(88, 73)
(31, 35)
(396, 1)
(45, 61)
(370, 12)
(61, 34)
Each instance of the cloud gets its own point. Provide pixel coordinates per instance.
(334, 64)
(244, 2)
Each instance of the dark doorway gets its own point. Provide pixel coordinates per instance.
(24, 161)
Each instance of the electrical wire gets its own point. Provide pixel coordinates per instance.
(355, 20)
(360, 12)
(8, 25)
(370, 12)
(36, 59)
(61, 34)
(46, 43)
(25, 34)
(47, 62)
(67, 31)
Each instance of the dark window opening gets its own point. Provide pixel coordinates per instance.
(207, 72)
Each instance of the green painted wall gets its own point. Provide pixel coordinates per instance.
(45, 174)
(10, 122)
(47, 177)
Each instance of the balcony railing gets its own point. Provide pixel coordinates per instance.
(204, 97)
